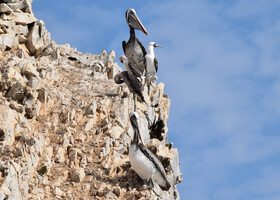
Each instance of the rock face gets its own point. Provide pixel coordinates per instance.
(64, 123)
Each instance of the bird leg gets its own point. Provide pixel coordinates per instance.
(146, 184)
(144, 76)
(149, 183)
(150, 83)
(144, 72)
(134, 100)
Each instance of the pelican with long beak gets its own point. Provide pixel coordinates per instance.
(133, 48)
(143, 161)
(133, 84)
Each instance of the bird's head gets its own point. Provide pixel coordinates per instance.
(123, 59)
(133, 20)
(134, 119)
(153, 44)
(134, 122)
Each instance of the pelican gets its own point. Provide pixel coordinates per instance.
(133, 48)
(133, 84)
(143, 161)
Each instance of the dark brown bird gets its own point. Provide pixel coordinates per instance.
(133, 84)
(133, 48)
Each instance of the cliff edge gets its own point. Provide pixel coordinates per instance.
(64, 123)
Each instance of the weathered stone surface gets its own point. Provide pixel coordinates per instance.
(60, 154)
(8, 40)
(6, 133)
(24, 6)
(38, 38)
(12, 74)
(77, 175)
(10, 188)
(17, 107)
(7, 114)
(91, 109)
(33, 83)
(4, 8)
(23, 18)
(29, 70)
(42, 95)
(89, 124)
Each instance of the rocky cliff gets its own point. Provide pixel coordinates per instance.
(64, 123)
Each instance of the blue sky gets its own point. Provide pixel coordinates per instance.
(221, 68)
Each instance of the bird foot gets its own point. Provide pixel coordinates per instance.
(149, 184)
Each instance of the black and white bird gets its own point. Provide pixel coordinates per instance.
(133, 84)
(143, 161)
(133, 48)
(151, 60)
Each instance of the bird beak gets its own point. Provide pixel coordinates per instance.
(135, 22)
(156, 45)
(141, 139)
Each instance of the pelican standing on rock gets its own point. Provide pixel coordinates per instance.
(143, 161)
(133, 48)
(133, 84)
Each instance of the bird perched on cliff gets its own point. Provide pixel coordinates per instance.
(133, 48)
(151, 60)
(152, 64)
(133, 84)
(143, 161)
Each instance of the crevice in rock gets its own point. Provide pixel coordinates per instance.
(156, 129)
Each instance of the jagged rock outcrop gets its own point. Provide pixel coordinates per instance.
(64, 123)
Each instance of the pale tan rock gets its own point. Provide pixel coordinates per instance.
(77, 175)
(7, 114)
(23, 18)
(21, 30)
(73, 154)
(89, 124)
(16, 92)
(10, 73)
(58, 192)
(10, 186)
(24, 6)
(6, 133)
(17, 107)
(33, 83)
(4, 8)
(8, 40)
(29, 70)
(91, 109)
(38, 38)
(60, 153)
